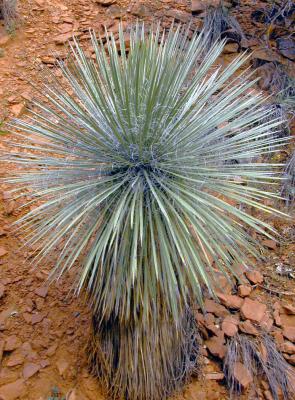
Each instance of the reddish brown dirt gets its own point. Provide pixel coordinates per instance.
(53, 329)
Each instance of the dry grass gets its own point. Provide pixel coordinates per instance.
(262, 359)
(288, 189)
(138, 363)
(220, 24)
(8, 12)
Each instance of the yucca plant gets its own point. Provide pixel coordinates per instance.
(138, 163)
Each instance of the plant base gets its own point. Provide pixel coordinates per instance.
(144, 362)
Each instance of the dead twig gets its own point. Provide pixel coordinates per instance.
(276, 291)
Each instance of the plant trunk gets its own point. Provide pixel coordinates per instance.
(144, 362)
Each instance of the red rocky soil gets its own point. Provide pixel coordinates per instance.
(43, 331)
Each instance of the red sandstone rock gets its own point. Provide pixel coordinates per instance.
(36, 318)
(230, 48)
(289, 333)
(216, 376)
(230, 301)
(198, 6)
(287, 347)
(217, 309)
(253, 310)
(229, 328)
(1, 350)
(18, 109)
(13, 390)
(254, 277)
(42, 291)
(105, 2)
(290, 359)
(267, 322)
(216, 346)
(288, 309)
(72, 395)
(213, 329)
(44, 363)
(62, 366)
(209, 319)
(263, 351)
(278, 337)
(2, 290)
(200, 318)
(63, 38)
(51, 351)
(271, 244)
(4, 39)
(221, 284)
(27, 317)
(27, 350)
(39, 303)
(3, 251)
(233, 318)
(30, 369)
(75, 394)
(267, 395)
(15, 359)
(11, 343)
(277, 318)
(287, 320)
(248, 327)
(244, 290)
(242, 375)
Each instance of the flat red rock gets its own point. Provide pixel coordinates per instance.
(248, 327)
(13, 390)
(253, 310)
(216, 346)
(230, 300)
(254, 277)
(15, 359)
(242, 375)
(287, 347)
(214, 376)
(105, 2)
(288, 309)
(2, 290)
(244, 290)
(62, 366)
(271, 244)
(229, 328)
(3, 251)
(42, 291)
(36, 318)
(289, 333)
(30, 369)
(291, 359)
(217, 309)
(12, 343)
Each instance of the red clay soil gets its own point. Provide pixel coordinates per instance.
(43, 331)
